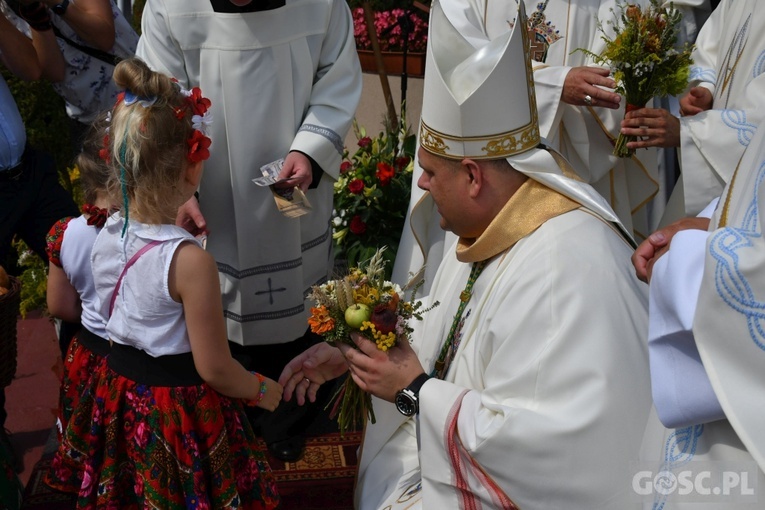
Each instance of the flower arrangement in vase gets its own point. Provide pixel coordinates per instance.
(371, 194)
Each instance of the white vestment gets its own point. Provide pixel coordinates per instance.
(279, 80)
(547, 398)
(728, 60)
(727, 331)
(583, 135)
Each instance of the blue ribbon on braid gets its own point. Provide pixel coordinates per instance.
(123, 181)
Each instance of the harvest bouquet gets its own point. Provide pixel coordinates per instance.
(643, 58)
(362, 301)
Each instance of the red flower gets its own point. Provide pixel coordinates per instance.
(356, 186)
(357, 226)
(345, 167)
(198, 147)
(199, 104)
(384, 319)
(385, 173)
(401, 162)
(364, 142)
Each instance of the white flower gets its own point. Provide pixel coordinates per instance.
(202, 122)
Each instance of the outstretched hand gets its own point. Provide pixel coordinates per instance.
(657, 244)
(309, 370)
(589, 81)
(380, 373)
(273, 396)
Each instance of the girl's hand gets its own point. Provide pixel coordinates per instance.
(273, 396)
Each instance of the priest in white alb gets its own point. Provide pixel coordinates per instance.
(528, 386)
(707, 346)
(721, 112)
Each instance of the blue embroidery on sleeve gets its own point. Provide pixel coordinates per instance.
(699, 73)
(759, 65)
(679, 450)
(736, 119)
(730, 281)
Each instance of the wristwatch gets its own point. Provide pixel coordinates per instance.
(407, 400)
(60, 8)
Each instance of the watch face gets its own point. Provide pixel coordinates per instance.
(405, 404)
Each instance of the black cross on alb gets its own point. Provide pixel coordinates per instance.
(270, 292)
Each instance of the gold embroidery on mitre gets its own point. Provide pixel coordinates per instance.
(513, 143)
(430, 141)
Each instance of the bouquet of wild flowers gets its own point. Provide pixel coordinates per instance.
(371, 195)
(366, 302)
(643, 58)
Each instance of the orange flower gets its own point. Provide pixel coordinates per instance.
(320, 320)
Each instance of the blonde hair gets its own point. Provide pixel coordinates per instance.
(95, 173)
(148, 142)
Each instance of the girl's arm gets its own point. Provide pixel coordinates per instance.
(194, 282)
(63, 299)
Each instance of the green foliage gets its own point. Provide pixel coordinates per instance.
(643, 57)
(372, 195)
(138, 6)
(34, 279)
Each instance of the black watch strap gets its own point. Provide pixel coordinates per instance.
(415, 385)
(60, 8)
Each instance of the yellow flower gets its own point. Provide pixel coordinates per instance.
(366, 294)
(384, 341)
(74, 173)
(320, 320)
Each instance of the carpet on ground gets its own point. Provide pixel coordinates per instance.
(322, 479)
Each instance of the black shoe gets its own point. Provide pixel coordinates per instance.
(288, 450)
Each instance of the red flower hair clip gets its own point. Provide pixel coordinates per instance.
(199, 103)
(104, 152)
(199, 146)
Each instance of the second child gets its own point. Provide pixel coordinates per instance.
(71, 293)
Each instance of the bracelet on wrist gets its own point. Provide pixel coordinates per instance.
(261, 393)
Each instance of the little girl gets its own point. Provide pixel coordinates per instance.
(72, 294)
(161, 424)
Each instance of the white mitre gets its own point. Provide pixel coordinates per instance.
(479, 103)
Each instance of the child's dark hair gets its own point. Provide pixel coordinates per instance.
(94, 171)
(150, 141)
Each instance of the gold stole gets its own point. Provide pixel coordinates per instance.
(530, 206)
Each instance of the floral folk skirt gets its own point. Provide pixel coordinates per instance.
(86, 353)
(149, 433)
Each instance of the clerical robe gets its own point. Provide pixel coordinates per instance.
(725, 311)
(547, 399)
(280, 80)
(584, 135)
(728, 60)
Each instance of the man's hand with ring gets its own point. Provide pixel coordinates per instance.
(587, 86)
